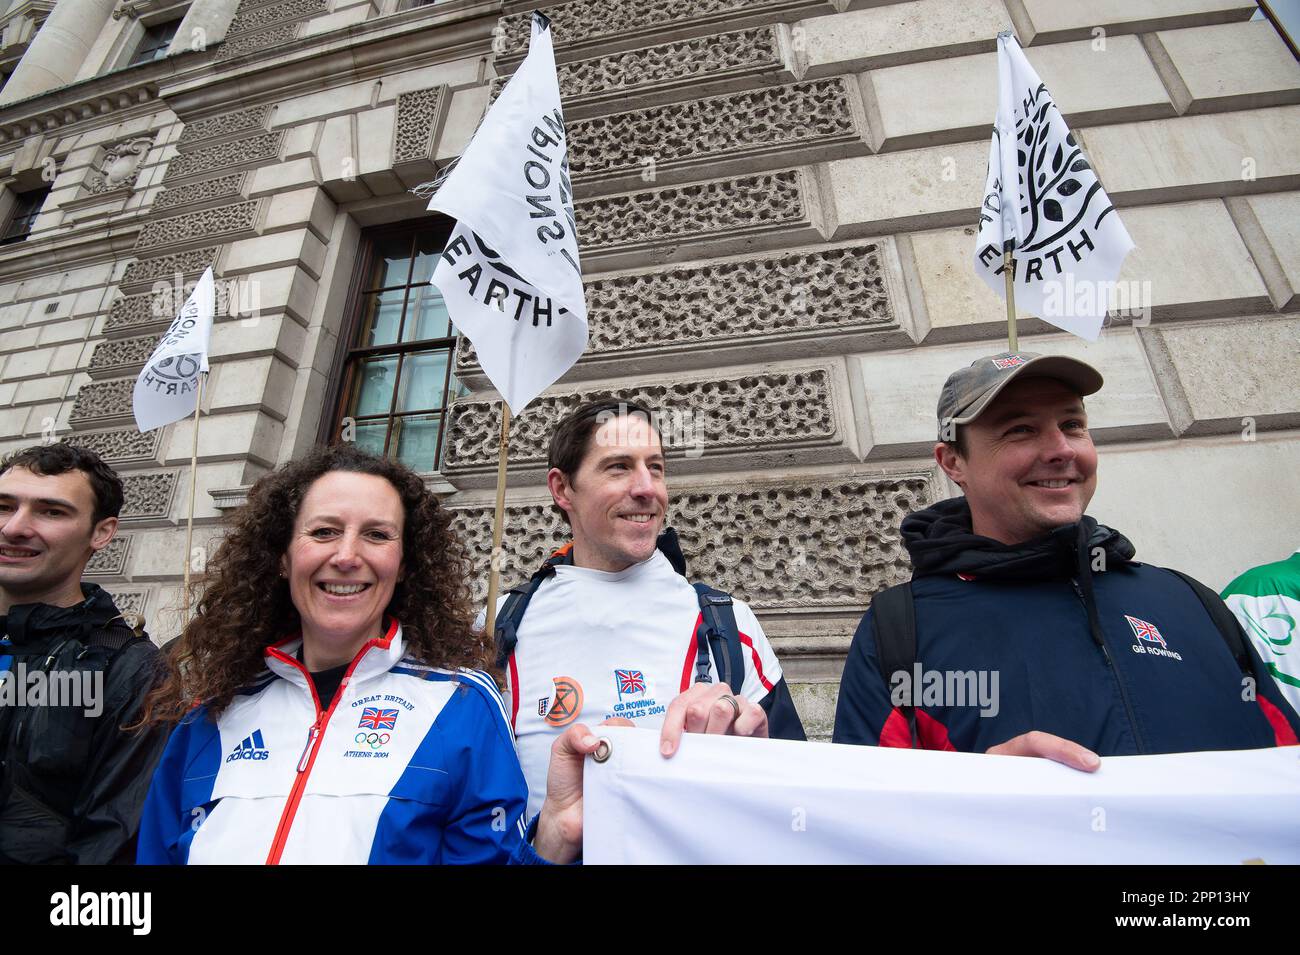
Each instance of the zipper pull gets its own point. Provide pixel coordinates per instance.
(306, 750)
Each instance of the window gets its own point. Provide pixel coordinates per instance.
(154, 43)
(27, 206)
(397, 374)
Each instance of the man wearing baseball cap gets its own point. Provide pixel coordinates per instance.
(1028, 628)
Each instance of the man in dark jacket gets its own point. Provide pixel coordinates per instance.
(1036, 633)
(73, 671)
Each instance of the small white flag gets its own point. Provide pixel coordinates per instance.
(1043, 200)
(168, 387)
(510, 273)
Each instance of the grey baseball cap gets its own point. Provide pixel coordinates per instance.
(968, 391)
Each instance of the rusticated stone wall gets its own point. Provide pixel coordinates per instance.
(779, 544)
(773, 409)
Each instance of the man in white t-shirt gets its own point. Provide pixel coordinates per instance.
(610, 627)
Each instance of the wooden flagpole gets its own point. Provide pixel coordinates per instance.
(189, 518)
(494, 571)
(1008, 272)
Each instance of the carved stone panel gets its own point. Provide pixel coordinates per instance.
(734, 127)
(205, 190)
(133, 311)
(247, 20)
(102, 402)
(598, 22)
(784, 408)
(819, 544)
(252, 42)
(147, 271)
(683, 64)
(237, 219)
(671, 64)
(147, 496)
(158, 307)
(121, 446)
(696, 212)
(236, 121)
(418, 119)
(119, 166)
(781, 296)
(263, 147)
(109, 561)
(129, 601)
(116, 356)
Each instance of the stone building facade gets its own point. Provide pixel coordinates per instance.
(775, 200)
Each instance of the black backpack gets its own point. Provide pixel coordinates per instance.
(716, 636)
(894, 632)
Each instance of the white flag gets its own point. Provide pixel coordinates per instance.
(1043, 200)
(510, 274)
(737, 800)
(168, 387)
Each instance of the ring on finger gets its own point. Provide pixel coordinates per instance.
(734, 705)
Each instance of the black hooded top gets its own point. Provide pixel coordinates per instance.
(72, 781)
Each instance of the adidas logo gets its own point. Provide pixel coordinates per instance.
(251, 748)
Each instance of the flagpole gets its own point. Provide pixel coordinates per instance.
(1008, 272)
(497, 521)
(189, 519)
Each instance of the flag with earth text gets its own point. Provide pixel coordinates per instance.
(1043, 201)
(510, 273)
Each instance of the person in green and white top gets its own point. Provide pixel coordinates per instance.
(1266, 599)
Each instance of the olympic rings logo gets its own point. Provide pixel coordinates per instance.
(373, 740)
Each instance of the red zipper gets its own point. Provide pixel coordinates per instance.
(305, 763)
(314, 736)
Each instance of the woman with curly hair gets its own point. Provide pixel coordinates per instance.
(329, 705)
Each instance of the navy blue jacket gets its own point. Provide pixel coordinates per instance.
(1122, 659)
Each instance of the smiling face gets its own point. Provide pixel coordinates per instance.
(47, 534)
(617, 499)
(343, 563)
(1030, 464)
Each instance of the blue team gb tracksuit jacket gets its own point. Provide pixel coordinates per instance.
(410, 764)
(1123, 659)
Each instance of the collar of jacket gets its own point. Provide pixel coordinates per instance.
(28, 624)
(667, 544)
(377, 655)
(940, 541)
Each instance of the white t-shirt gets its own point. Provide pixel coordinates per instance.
(594, 645)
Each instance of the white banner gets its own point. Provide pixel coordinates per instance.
(1042, 196)
(724, 799)
(168, 387)
(510, 274)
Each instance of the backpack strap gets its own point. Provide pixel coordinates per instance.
(718, 634)
(1229, 626)
(894, 629)
(512, 612)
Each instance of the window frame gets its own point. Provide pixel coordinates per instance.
(349, 356)
(148, 28)
(11, 219)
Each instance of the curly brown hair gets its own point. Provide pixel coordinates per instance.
(245, 605)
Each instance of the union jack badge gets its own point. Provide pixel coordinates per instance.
(1146, 632)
